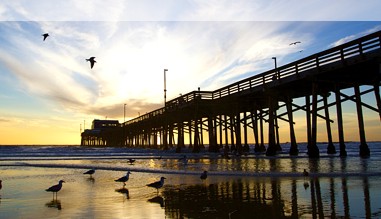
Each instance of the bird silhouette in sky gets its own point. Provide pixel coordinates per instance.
(45, 35)
(294, 43)
(92, 61)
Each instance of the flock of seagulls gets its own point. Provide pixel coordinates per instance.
(157, 185)
(91, 59)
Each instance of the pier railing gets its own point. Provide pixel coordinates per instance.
(336, 54)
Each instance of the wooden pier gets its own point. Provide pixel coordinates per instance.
(223, 119)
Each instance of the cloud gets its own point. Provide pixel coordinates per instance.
(355, 36)
(131, 57)
(189, 10)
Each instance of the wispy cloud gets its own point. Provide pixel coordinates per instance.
(354, 36)
(189, 10)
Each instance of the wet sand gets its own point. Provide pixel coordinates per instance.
(183, 196)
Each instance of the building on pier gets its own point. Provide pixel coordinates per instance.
(99, 134)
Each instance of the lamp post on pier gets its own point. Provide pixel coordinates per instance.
(276, 71)
(124, 112)
(165, 87)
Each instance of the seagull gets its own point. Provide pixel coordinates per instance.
(55, 188)
(92, 61)
(204, 175)
(90, 172)
(294, 43)
(184, 160)
(45, 35)
(158, 184)
(124, 179)
(131, 161)
(305, 173)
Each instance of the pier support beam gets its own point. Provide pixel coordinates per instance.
(212, 130)
(331, 147)
(294, 147)
(313, 150)
(180, 136)
(226, 148)
(364, 149)
(343, 151)
(271, 149)
(262, 147)
(196, 147)
(254, 121)
(278, 147)
(232, 146)
(238, 134)
(378, 99)
(246, 145)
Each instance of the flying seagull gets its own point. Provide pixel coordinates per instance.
(92, 61)
(45, 35)
(124, 179)
(294, 43)
(55, 188)
(158, 184)
(90, 172)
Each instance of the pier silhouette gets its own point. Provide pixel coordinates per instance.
(223, 118)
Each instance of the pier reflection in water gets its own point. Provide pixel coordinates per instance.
(275, 198)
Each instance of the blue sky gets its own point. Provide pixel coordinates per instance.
(206, 44)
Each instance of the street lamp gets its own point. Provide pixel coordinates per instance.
(165, 87)
(275, 75)
(124, 112)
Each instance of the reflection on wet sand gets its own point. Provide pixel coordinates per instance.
(157, 199)
(54, 204)
(90, 180)
(124, 191)
(270, 198)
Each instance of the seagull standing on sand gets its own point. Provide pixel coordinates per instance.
(55, 188)
(184, 160)
(204, 175)
(158, 184)
(90, 172)
(305, 173)
(45, 35)
(131, 161)
(92, 61)
(124, 179)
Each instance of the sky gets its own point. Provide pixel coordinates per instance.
(49, 93)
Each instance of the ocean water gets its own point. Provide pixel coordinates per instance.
(248, 186)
